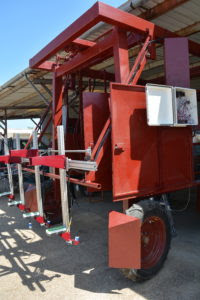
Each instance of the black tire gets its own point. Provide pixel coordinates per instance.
(155, 243)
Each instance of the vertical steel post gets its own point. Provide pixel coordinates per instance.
(121, 58)
(37, 178)
(10, 178)
(20, 174)
(63, 182)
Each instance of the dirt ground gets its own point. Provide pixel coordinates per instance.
(34, 266)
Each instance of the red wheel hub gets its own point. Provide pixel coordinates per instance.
(153, 241)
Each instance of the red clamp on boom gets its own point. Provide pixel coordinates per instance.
(54, 161)
(25, 153)
(7, 159)
(67, 237)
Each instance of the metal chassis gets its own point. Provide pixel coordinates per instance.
(127, 31)
(114, 43)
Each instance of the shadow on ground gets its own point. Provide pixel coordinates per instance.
(38, 259)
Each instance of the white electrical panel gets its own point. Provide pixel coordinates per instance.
(171, 106)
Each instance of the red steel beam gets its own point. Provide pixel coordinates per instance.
(54, 161)
(104, 47)
(25, 153)
(86, 56)
(47, 65)
(82, 44)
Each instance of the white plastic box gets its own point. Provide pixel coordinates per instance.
(171, 106)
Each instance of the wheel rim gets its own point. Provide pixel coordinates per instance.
(153, 241)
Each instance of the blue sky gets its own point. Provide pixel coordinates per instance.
(27, 26)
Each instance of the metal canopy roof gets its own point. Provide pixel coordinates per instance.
(20, 99)
(27, 94)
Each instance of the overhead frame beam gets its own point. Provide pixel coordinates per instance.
(113, 16)
(84, 57)
(97, 13)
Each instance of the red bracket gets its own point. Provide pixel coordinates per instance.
(54, 161)
(12, 197)
(25, 153)
(7, 159)
(21, 207)
(40, 220)
(67, 237)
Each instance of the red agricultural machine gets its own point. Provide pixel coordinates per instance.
(118, 133)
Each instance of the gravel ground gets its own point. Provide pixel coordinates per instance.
(34, 266)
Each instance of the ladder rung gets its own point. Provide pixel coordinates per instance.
(55, 230)
(14, 203)
(31, 214)
(5, 194)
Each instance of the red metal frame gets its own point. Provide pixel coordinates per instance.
(113, 16)
(115, 43)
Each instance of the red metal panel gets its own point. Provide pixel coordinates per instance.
(24, 153)
(95, 114)
(175, 151)
(146, 159)
(134, 144)
(177, 68)
(124, 241)
(5, 159)
(54, 161)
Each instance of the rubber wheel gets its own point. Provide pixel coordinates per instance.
(155, 238)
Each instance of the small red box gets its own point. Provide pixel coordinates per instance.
(124, 241)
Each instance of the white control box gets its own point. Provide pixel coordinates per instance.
(171, 106)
